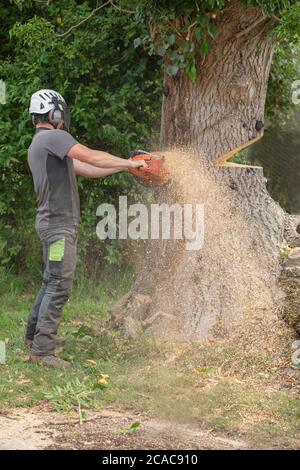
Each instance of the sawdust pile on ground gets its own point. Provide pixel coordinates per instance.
(229, 284)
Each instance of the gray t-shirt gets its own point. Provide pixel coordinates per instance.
(54, 178)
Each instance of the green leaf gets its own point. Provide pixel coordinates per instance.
(192, 72)
(203, 20)
(205, 48)
(212, 30)
(198, 33)
(171, 39)
(134, 426)
(174, 55)
(172, 70)
(131, 429)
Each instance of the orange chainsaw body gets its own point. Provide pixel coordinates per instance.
(155, 173)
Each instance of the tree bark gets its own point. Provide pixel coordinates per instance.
(178, 293)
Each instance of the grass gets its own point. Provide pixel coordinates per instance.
(213, 385)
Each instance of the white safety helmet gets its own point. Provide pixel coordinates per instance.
(49, 101)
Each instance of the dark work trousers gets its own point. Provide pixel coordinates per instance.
(59, 255)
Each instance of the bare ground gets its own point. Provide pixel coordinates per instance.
(36, 429)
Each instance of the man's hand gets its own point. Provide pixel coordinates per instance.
(138, 164)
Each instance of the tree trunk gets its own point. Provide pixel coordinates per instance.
(221, 110)
(196, 294)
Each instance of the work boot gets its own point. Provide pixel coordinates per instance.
(49, 361)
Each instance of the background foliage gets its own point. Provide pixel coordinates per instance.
(114, 88)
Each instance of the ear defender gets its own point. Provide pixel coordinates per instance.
(56, 115)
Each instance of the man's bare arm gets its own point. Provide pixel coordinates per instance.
(90, 171)
(101, 159)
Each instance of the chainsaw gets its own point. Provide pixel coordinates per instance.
(155, 173)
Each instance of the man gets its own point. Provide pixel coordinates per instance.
(55, 158)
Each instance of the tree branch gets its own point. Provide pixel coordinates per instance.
(175, 29)
(130, 12)
(276, 19)
(256, 23)
(251, 27)
(109, 2)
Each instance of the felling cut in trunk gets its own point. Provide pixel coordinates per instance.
(232, 281)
